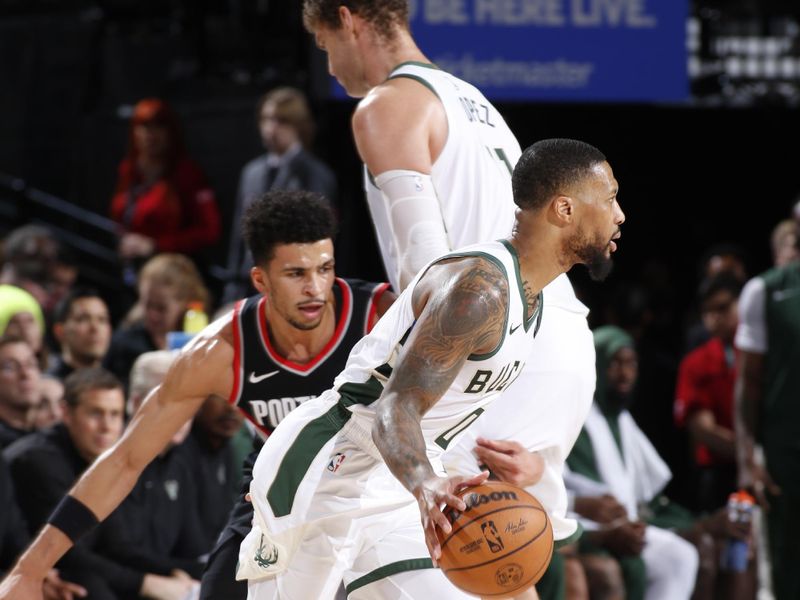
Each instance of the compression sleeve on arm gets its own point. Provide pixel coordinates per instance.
(416, 217)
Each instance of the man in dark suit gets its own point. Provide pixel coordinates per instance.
(287, 129)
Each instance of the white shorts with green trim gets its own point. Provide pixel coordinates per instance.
(327, 510)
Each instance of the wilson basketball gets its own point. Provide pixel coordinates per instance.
(500, 545)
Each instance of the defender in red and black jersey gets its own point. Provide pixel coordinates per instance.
(267, 386)
(267, 355)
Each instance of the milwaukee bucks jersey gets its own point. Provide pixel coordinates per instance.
(482, 377)
(472, 175)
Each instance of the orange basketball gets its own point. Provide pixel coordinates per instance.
(500, 545)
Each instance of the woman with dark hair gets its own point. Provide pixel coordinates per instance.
(162, 200)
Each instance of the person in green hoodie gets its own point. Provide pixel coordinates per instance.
(613, 470)
(617, 478)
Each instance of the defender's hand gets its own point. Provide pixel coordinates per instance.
(510, 461)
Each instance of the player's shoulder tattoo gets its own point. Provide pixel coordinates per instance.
(478, 299)
(466, 315)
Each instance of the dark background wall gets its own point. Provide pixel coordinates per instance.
(690, 175)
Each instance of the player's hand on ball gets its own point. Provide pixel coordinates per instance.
(435, 493)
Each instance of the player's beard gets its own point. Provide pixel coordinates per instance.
(593, 254)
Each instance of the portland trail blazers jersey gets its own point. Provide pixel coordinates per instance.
(267, 386)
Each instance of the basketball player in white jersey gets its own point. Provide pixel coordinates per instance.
(438, 155)
(438, 159)
(341, 484)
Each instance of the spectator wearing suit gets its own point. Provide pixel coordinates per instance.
(287, 131)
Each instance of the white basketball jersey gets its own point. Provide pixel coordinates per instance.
(472, 175)
(481, 379)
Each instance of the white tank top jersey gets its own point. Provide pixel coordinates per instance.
(472, 175)
(481, 379)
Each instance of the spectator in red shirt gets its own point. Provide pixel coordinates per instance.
(162, 200)
(704, 392)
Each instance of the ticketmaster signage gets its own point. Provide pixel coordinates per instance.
(580, 50)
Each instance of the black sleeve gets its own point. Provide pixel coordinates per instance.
(13, 532)
(41, 478)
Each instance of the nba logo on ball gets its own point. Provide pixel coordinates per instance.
(490, 533)
(500, 545)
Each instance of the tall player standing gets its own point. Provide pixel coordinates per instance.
(438, 159)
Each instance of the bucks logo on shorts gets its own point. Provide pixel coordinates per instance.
(265, 561)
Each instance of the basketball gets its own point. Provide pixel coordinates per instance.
(500, 545)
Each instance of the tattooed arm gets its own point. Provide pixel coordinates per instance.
(461, 307)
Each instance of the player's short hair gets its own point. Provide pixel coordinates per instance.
(286, 217)
(86, 380)
(548, 167)
(383, 15)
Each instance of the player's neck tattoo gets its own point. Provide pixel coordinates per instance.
(531, 300)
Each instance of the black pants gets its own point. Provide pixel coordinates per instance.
(219, 578)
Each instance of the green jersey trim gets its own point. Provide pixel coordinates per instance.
(571, 539)
(417, 63)
(298, 458)
(537, 315)
(401, 566)
(418, 79)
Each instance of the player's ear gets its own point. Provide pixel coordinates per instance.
(346, 20)
(563, 208)
(259, 279)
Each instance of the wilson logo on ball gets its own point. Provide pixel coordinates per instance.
(474, 500)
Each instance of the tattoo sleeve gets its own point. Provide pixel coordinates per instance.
(465, 316)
